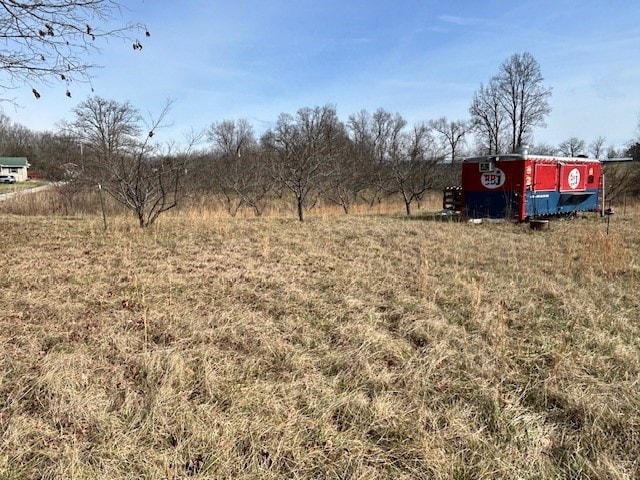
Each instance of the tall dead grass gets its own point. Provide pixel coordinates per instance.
(65, 201)
(361, 346)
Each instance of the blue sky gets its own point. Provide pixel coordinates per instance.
(423, 59)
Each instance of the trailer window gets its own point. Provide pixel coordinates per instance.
(546, 176)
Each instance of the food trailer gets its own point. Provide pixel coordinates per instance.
(522, 186)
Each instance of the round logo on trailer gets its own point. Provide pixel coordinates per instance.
(493, 180)
(574, 178)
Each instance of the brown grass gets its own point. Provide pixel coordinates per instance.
(367, 346)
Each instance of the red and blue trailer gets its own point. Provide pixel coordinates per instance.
(522, 186)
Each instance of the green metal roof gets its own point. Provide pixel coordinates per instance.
(14, 162)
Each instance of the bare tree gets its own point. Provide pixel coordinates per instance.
(379, 141)
(410, 169)
(386, 132)
(523, 97)
(510, 105)
(126, 162)
(240, 173)
(363, 137)
(543, 149)
(359, 127)
(58, 159)
(345, 174)
(597, 147)
(105, 129)
(53, 153)
(572, 147)
(487, 118)
(452, 134)
(54, 40)
(15, 140)
(301, 149)
(613, 153)
(232, 137)
(231, 141)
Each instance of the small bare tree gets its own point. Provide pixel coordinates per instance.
(543, 149)
(403, 162)
(452, 134)
(344, 175)
(239, 172)
(572, 147)
(411, 167)
(376, 140)
(597, 147)
(301, 150)
(364, 181)
(126, 162)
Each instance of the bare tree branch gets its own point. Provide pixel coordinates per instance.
(46, 41)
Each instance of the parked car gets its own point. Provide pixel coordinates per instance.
(7, 179)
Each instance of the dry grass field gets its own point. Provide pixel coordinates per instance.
(363, 346)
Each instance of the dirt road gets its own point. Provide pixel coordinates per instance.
(6, 196)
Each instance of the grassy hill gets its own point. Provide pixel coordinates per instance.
(345, 347)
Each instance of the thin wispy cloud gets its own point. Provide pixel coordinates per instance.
(461, 21)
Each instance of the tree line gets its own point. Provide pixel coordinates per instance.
(309, 155)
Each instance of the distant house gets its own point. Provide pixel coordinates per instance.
(16, 166)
